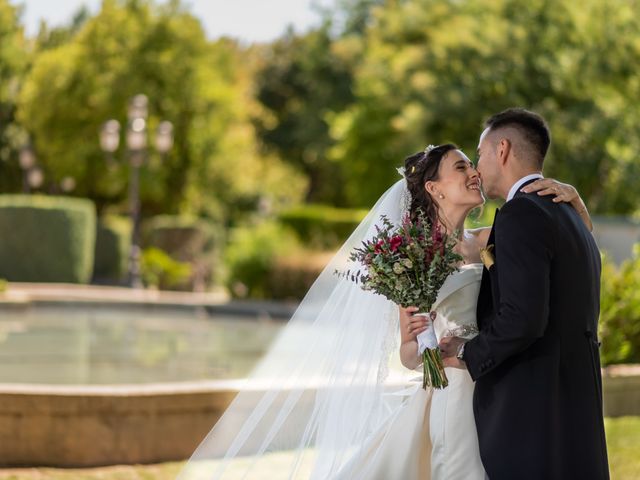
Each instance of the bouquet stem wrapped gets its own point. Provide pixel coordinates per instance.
(433, 374)
(408, 264)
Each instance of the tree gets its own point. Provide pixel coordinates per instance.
(433, 70)
(13, 62)
(302, 83)
(54, 37)
(133, 47)
(352, 17)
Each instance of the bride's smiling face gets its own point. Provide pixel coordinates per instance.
(458, 183)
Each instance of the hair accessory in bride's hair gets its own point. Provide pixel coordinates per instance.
(429, 148)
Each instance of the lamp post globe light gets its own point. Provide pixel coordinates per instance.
(110, 136)
(68, 184)
(164, 137)
(27, 161)
(136, 143)
(35, 177)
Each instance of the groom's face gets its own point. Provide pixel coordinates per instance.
(488, 164)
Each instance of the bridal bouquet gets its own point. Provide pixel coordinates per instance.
(408, 265)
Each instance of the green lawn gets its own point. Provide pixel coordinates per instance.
(623, 442)
(623, 437)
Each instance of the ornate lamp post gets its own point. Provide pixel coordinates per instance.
(136, 141)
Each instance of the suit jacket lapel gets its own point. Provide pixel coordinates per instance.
(489, 296)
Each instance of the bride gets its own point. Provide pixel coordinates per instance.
(330, 400)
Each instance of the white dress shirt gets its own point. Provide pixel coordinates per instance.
(519, 183)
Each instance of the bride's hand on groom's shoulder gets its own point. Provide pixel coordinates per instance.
(563, 192)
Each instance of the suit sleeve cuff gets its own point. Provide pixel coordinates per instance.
(477, 357)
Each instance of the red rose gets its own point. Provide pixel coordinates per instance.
(395, 242)
(379, 247)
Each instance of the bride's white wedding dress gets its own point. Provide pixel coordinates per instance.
(434, 435)
(320, 405)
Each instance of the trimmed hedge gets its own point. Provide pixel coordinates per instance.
(113, 243)
(186, 240)
(46, 239)
(291, 276)
(321, 226)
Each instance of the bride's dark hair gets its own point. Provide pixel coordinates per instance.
(419, 169)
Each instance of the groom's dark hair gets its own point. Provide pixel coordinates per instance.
(532, 127)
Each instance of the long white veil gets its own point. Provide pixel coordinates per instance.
(322, 388)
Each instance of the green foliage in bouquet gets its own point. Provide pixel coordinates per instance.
(406, 264)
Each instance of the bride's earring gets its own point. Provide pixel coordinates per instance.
(441, 197)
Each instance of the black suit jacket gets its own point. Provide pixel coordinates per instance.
(538, 392)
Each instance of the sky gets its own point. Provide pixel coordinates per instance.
(248, 20)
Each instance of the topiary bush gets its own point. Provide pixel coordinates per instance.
(46, 239)
(620, 310)
(113, 243)
(321, 226)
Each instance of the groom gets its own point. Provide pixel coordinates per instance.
(538, 392)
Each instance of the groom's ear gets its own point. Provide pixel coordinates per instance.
(503, 150)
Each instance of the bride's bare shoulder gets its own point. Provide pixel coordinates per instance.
(481, 234)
